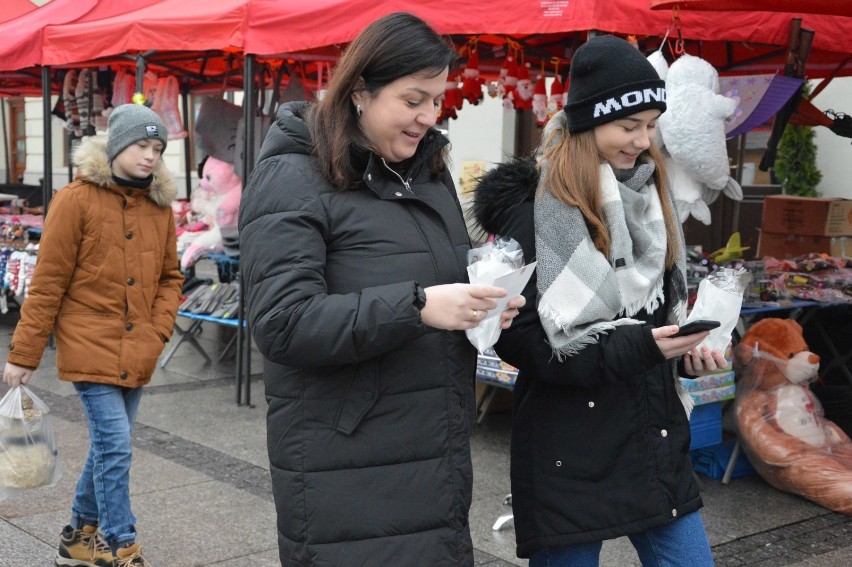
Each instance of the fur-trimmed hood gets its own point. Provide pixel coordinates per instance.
(92, 164)
(500, 190)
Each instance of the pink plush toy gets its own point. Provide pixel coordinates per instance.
(217, 199)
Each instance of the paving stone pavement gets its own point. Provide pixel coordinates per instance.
(201, 490)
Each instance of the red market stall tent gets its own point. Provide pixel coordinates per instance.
(829, 7)
(740, 42)
(208, 42)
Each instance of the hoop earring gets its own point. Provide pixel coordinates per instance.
(358, 110)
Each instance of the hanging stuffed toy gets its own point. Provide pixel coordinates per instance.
(693, 126)
(471, 81)
(523, 94)
(453, 99)
(780, 422)
(508, 81)
(539, 102)
(554, 100)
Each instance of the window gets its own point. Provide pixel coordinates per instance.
(17, 142)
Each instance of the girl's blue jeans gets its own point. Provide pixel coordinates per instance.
(682, 542)
(103, 491)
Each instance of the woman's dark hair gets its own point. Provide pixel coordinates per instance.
(392, 47)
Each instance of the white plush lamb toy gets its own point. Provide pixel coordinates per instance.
(693, 133)
(688, 193)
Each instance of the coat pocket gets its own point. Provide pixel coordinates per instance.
(361, 395)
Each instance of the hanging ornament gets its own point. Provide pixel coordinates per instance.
(509, 76)
(453, 99)
(539, 101)
(522, 97)
(472, 82)
(554, 101)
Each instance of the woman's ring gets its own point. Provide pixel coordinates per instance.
(475, 314)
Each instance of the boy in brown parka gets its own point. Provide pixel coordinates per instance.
(107, 284)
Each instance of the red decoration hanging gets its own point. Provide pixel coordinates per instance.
(471, 81)
(555, 101)
(523, 93)
(453, 99)
(539, 101)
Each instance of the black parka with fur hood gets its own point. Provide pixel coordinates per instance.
(370, 411)
(599, 441)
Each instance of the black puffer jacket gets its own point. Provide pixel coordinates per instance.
(600, 441)
(370, 411)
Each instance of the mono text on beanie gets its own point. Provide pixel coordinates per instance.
(130, 123)
(610, 79)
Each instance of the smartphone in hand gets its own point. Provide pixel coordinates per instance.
(696, 327)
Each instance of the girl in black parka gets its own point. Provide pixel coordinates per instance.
(353, 249)
(600, 433)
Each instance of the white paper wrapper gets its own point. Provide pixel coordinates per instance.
(499, 263)
(720, 298)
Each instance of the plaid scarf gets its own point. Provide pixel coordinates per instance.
(583, 293)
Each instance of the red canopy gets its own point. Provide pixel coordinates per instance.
(16, 8)
(741, 42)
(745, 42)
(829, 7)
(22, 36)
(164, 25)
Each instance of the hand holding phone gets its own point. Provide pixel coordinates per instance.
(696, 327)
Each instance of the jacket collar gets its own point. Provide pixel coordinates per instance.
(92, 164)
(385, 181)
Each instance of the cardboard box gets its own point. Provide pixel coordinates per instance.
(784, 246)
(807, 216)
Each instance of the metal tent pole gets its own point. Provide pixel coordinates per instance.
(243, 331)
(187, 144)
(47, 180)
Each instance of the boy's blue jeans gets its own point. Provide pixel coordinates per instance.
(103, 491)
(682, 542)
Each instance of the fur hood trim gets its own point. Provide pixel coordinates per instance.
(500, 190)
(90, 159)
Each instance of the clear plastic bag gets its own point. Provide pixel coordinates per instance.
(28, 453)
(501, 263)
(720, 298)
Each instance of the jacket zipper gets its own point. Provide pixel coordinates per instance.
(406, 184)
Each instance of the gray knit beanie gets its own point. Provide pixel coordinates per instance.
(610, 79)
(130, 123)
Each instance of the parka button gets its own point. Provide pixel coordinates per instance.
(130, 281)
(128, 327)
(558, 463)
(369, 177)
(124, 203)
(123, 375)
(398, 194)
(11, 346)
(674, 512)
(128, 235)
(664, 433)
(591, 404)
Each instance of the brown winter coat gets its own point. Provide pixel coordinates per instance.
(107, 278)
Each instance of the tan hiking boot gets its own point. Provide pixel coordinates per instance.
(130, 556)
(83, 548)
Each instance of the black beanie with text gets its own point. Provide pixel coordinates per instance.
(610, 79)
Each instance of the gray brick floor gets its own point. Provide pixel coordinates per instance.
(200, 464)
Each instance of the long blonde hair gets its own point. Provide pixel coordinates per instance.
(572, 175)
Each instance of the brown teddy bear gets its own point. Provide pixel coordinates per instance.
(780, 422)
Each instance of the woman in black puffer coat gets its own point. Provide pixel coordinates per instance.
(352, 246)
(600, 435)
